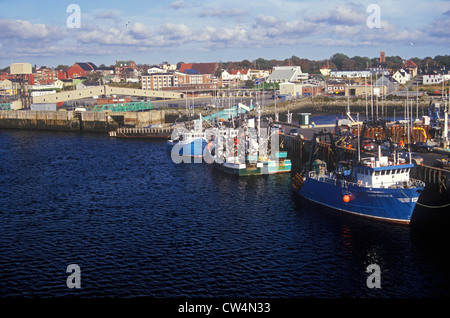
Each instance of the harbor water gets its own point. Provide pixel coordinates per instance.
(139, 225)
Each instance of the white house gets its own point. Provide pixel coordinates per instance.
(402, 76)
(430, 79)
(155, 69)
(169, 67)
(325, 70)
(241, 75)
(5, 84)
(282, 74)
(259, 73)
(350, 74)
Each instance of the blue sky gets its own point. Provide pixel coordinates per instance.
(151, 32)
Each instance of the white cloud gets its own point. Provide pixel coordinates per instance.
(349, 14)
(25, 30)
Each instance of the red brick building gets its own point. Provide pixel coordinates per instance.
(45, 75)
(28, 78)
(122, 66)
(81, 69)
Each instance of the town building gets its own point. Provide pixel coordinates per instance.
(156, 69)
(235, 77)
(350, 74)
(325, 70)
(411, 68)
(258, 73)
(81, 69)
(432, 79)
(158, 81)
(282, 74)
(363, 90)
(45, 75)
(121, 67)
(200, 68)
(335, 87)
(311, 89)
(402, 76)
(291, 89)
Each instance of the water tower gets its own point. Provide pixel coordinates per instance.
(21, 70)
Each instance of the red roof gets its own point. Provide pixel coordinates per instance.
(201, 68)
(410, 64)
(234, 72)
(185, 67)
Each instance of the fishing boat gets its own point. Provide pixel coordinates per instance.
(188, 143)
(233, 165)
(377, 187)
(277, 163)
(234, 154)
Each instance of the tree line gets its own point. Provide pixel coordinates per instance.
(341, 62)
(338, 61)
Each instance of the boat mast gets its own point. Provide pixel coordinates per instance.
(359, 146)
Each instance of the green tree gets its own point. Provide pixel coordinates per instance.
(262, 64)
(338, 59)
(443, 60)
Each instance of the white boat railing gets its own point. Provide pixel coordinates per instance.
(331, 179)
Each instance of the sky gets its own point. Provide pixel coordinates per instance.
(150, 32)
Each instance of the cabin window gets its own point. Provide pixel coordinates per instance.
(377, 173)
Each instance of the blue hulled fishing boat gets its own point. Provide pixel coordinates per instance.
(377, 187)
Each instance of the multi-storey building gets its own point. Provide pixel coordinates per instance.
(45, 75)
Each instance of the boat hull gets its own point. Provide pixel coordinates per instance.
(273, 167)
(387, 204)
(193, 148)
(239, 169)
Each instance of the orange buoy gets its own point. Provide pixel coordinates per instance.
(346, 198)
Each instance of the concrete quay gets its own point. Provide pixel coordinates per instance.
(88, 121)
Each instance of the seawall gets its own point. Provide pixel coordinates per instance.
(77, 121)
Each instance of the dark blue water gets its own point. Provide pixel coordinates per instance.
(139, 225)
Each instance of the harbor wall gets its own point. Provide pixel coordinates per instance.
(77, 121)
(42, 120)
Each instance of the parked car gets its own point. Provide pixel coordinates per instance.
(367, 145)
(293, 132)
(415, 158)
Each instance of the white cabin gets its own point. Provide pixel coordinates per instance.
(382, 173)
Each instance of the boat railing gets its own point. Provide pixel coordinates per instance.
(331, 179)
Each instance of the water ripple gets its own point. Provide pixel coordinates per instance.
(140, 225)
